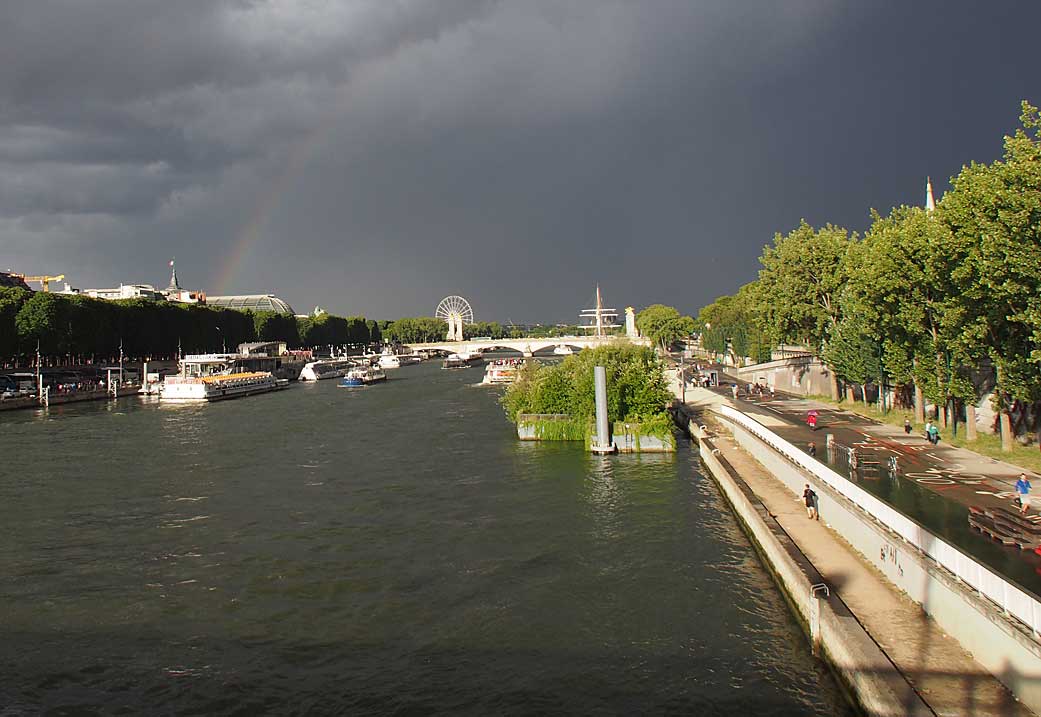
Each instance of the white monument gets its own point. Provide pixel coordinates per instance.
(630, 323)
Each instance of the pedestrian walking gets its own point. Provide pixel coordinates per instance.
(810, 498)
(1023, 488)
(929, 431)
(934, 435)
(733, 390)
(907, 427)
(811, 448)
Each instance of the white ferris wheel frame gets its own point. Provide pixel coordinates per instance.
(455, 306)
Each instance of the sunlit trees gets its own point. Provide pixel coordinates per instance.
(798, 294)
(664, 325)
(994, 213)
(730, 324)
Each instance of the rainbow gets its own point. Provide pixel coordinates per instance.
(268, 201)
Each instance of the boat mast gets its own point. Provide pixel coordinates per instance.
(599, 313)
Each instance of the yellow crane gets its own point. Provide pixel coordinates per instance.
(43, 281)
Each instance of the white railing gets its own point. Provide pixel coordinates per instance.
(1012, 599)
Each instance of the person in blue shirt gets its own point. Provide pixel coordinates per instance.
(1023, 488)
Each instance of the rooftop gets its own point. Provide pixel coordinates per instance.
(251, 302)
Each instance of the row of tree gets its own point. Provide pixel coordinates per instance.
(80, 328)
(925, 299)
(430, 330)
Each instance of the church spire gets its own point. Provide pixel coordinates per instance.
(929, 203)
(174, 286)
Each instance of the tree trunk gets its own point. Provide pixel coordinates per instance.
(919, 404)
(941, 415)
(1005, 424)
(970, 421)
(1004, 420)
(850, 395)
(833, 379)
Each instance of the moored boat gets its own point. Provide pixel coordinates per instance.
(389, 360)
(455, 361)
(212, 377)
(326, 368)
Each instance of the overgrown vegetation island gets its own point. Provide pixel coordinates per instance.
(943, 304)
(557, 400)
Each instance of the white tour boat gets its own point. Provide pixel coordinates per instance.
(212, 377)
(563, 350)
(326, 368)
(502, 371)
(389, 360)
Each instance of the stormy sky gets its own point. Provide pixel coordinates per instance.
(375, 156)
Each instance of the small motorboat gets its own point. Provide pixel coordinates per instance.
(351, 381)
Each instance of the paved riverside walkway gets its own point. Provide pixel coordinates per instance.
(954, 478)
(946, 676)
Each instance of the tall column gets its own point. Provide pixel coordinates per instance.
(603, 435)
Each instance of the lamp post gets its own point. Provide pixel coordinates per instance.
(683, 378)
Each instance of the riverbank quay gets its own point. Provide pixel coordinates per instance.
(129, 390)
(912, 651)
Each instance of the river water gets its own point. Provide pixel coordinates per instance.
(392, 549)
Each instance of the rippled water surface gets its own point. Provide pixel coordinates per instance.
(392, 549)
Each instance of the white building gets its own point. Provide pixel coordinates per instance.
(127, 291)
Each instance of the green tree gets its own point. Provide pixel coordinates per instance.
(798, 294)
(11, 300)
(664, 325)
(636, 386)
(730, 323)
(902, 285)
(994, 213)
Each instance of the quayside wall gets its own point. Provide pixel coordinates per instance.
(875, 683)
(991, 617)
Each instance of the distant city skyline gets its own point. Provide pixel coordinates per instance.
(373, 158)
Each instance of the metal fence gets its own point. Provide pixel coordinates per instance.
(1012, 599)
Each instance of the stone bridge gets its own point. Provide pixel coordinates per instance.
(528, 346)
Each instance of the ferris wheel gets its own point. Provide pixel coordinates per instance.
(455, 311)
(455, 307)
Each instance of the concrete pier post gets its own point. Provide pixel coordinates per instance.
(603, 437)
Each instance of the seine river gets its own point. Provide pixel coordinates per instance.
(392, 549)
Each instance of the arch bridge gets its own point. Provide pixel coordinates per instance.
(526, 346)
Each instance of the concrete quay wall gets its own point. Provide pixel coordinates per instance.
(1001, 644)
(878, 687)
(57, 399)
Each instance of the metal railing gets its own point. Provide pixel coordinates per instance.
(1012, 599)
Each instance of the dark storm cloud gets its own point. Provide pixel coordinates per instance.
(380, 155)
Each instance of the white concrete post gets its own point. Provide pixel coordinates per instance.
(603, 437)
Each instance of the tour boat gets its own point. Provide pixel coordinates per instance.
(362, 376)
(563, 350)
(326, 368)
(212, 377)
(455, 361)
(502, 371)
(389, 360)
